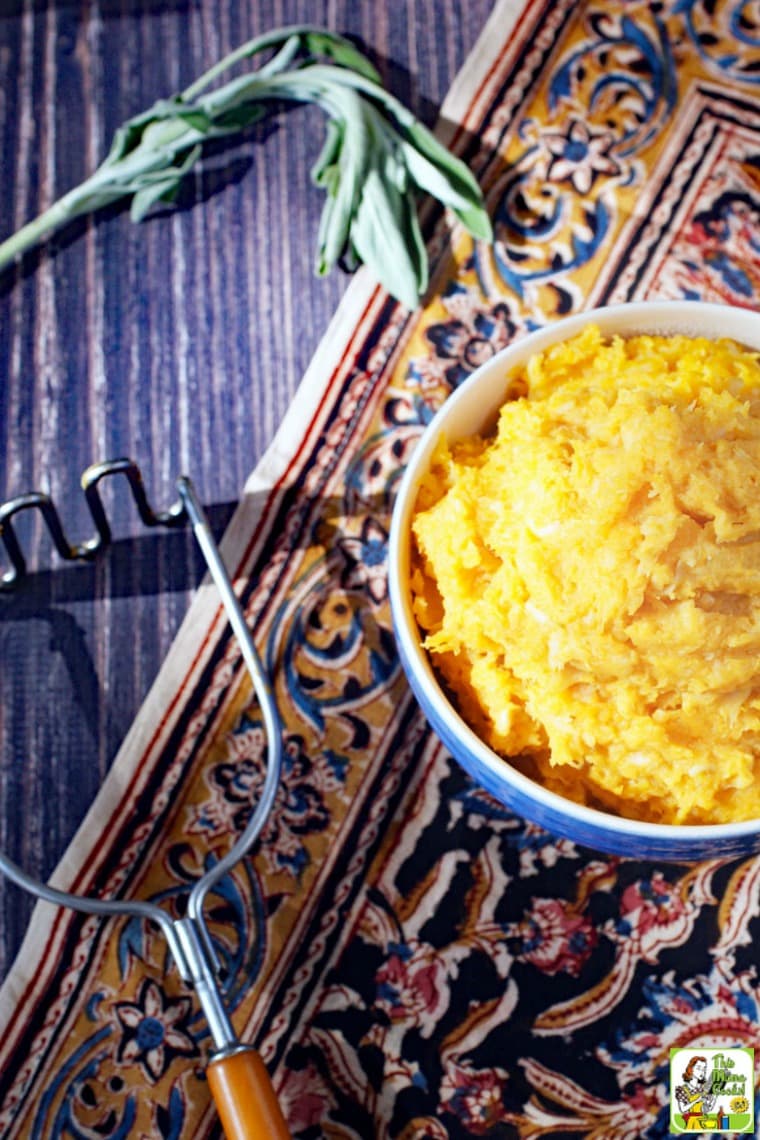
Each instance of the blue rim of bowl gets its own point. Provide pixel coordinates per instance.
(585, 825)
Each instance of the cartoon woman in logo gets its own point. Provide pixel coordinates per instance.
(694, 1096)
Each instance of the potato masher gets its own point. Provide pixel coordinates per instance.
(239, 1081)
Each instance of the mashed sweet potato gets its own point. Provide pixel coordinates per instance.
(588, 580)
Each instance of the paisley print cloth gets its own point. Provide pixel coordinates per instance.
(411, 959)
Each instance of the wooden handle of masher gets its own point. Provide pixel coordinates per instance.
(244, 1097)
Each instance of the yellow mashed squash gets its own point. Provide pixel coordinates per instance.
(588, 580)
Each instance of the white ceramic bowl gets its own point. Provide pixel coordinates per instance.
(472, 408)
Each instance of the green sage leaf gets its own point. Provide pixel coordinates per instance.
(341, 51)
(326, 169)
(145, 199)
(378, 238)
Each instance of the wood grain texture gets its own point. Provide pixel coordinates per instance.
(179, 342)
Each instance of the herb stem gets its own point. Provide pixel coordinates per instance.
(71, 205)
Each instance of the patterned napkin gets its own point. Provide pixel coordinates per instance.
(411, 959)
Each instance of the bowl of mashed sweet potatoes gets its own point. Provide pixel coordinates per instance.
(574, 572)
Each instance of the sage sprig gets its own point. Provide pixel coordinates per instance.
(376, 159)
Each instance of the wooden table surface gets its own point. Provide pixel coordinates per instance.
(179, 342)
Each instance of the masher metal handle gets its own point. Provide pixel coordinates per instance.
(238, 1078)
